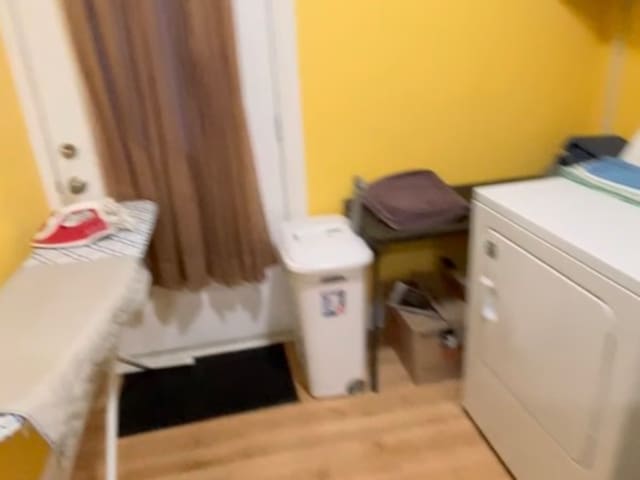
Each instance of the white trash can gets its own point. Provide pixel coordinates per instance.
(326, 262)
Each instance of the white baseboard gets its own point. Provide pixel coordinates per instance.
(187, 356)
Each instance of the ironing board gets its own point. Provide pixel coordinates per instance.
(115, 257)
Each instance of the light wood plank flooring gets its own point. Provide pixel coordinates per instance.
(405, 432)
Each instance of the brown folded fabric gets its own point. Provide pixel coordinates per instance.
(415, 200)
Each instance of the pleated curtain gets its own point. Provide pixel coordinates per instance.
(163, 83)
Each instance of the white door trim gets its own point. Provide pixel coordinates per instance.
(286, 81)
(27, 95)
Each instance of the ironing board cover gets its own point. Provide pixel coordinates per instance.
(56, 429)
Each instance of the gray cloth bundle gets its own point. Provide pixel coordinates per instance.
(415, 200)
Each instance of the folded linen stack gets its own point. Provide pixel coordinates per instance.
(415, 200)
(618, 176)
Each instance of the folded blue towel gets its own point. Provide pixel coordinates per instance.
(614, 170)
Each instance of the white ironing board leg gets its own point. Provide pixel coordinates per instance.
(111, 425)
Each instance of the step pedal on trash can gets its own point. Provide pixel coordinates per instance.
(326, 262)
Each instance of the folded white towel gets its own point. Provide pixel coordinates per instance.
(631, 152)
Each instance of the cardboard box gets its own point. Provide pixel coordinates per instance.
(416, 340)
(447, 301)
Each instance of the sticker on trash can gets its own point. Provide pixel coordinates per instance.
(333, 303)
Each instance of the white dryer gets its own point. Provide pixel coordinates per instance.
(552, 367)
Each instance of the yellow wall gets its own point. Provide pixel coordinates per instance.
(22, 203)
(628, 112)
(22, 210)
(23, 456)
(475, 90)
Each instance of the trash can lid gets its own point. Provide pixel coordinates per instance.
(322, 244)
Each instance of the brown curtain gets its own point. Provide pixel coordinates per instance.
(162, 77)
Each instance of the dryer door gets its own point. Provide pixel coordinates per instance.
(548, 340)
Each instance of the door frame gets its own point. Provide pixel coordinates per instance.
(29, 102)
(287, 94)
(287, 123)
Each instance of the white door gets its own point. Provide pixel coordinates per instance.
(64, 145)
(52, 94)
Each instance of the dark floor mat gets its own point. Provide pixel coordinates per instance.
(214, 386)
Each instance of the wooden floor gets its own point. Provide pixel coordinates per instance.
(405, 432)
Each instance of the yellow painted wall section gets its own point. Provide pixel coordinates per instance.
(628, 111)
(23, 456)
(22, 209)
(22, 203)
(475, 90)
